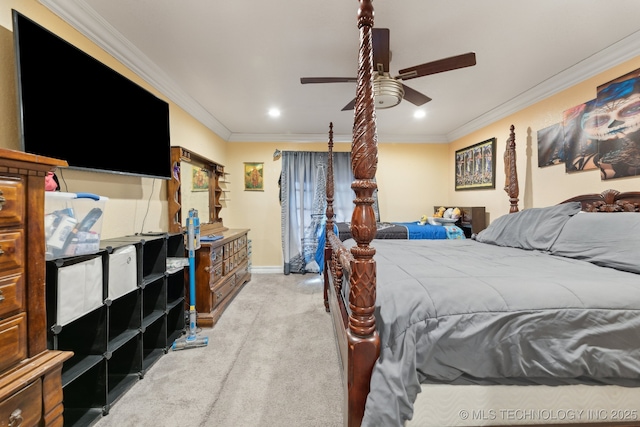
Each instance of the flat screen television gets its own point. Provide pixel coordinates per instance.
(74, 108)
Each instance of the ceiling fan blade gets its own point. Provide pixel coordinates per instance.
(415, 97)
(350, 106)
(381, 52)
(305, 80)
(439, 66)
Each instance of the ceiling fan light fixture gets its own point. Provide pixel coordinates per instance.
(387, 92)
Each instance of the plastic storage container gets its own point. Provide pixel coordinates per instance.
(73, 223)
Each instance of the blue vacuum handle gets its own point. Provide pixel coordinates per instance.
(87, 196)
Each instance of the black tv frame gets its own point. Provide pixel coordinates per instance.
(75, 108)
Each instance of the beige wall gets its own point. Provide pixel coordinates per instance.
(411, 180)
(260, 210)
(402, 172)
(539, 186)
(411, 177)
(135, 204)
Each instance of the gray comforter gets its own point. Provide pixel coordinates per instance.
(466, 312)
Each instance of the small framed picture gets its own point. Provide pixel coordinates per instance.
(254, 176)
(200, 181)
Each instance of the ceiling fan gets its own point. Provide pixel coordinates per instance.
(389, 91)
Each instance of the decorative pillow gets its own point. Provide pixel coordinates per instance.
(534, 228)
(606, 239)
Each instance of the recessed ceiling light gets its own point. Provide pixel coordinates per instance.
(274, 112)
(419, 114)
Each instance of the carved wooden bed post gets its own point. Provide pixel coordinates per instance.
(363, 341)
(330, 216)
(511, 175)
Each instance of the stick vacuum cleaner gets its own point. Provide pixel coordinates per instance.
(193, 242)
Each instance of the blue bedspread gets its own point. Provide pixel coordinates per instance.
(431, 232)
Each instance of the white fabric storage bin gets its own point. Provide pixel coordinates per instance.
(123, 273)
(79, 290)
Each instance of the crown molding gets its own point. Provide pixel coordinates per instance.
(317, 137)
(84, 19)
(624, 50)
(288, 137)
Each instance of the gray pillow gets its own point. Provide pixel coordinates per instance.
(533, 229)
(606, 239)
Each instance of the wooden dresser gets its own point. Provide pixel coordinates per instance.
(30, 375)
(222, 267)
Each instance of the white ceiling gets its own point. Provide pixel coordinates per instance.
(228, 62)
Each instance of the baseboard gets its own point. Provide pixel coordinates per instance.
(267, 270)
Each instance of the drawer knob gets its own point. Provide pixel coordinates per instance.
(1, 251)
(15, 419)
(219, 295)
(2, 199)
(1, 296)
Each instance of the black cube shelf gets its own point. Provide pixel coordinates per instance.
(116, 342)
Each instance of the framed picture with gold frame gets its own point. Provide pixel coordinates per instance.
(200, 180)
(254, 176)
(475, 166)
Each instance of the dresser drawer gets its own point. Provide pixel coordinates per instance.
(13, 340)
(242, 272)
(13, 208)
(216, 254)
(222, 291)
(11, 250)
(24, 408)
(216, 273)
(242, 254)
(228, 249)
(11, 295)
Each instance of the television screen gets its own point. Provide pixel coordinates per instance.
(74, 108)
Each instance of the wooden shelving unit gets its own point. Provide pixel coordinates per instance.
(210, 221)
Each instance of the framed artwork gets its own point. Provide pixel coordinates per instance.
(475, 166)
(200, 180)
(254, 177)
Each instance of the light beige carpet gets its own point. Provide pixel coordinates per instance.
(271, 361)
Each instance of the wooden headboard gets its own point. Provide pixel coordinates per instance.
(609, 201)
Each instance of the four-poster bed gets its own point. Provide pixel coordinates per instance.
(546, 297)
